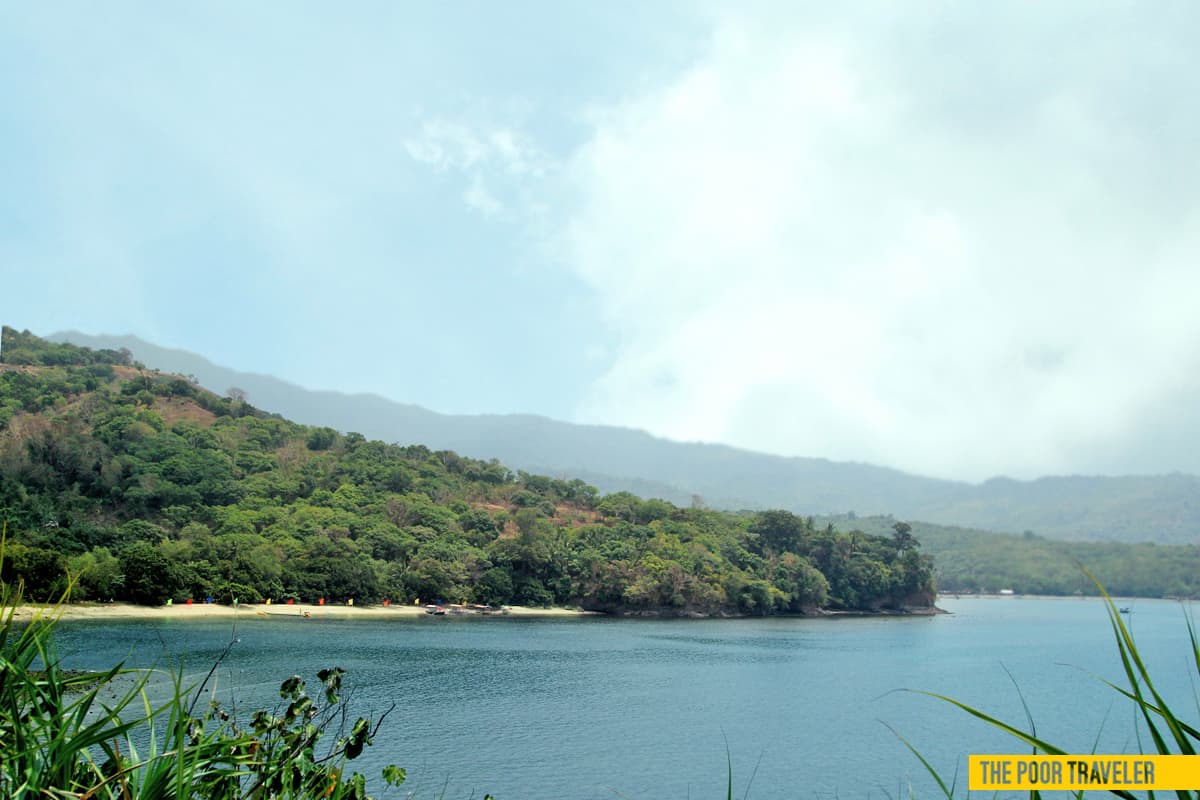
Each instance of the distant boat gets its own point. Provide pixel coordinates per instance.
(1125, 610)
(1007, 592)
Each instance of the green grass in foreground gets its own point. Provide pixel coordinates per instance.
(1168, 733)
(60, 739)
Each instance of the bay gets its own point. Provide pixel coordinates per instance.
(603, 708)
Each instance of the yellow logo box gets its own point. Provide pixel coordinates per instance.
(992, 772)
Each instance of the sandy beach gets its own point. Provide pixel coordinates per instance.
(101, 611)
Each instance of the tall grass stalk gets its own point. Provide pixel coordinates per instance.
(1169, 734)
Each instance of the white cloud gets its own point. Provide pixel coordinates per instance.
(484, 158)
(816, 241)
(445, 145)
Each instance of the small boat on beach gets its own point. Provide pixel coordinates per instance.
(464, 609)
(302, 613)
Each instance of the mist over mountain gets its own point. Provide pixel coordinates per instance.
(1130, 508)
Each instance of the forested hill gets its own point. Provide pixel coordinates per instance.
(611, 458)
(1130, 509)
(972, 561)
(143, 486)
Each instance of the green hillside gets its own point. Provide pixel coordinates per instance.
(970, 560)
(1158, 508)
(143, 486)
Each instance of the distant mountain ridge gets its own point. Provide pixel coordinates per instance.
(1134, 508)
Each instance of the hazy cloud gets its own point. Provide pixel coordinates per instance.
(961, 245)
(959, 239)
(498, 156)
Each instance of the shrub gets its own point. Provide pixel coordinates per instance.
(61, 740)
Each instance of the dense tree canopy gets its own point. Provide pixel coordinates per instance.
(142, 486)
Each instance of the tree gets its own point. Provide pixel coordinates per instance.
(495, 587)
(42, 572)
(322, 438)
(150, 578)
(779, 531)
(97, 575)
(804, 584)
(903, 538)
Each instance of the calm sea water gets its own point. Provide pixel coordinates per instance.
(600, 708)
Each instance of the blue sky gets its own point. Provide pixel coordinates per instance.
(956, 240)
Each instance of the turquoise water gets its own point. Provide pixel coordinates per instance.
(600, 708)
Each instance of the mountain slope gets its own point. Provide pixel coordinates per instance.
(613, 458)
(1140, 508)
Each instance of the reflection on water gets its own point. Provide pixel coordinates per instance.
(643, 708)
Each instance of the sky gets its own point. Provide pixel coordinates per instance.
(962, 240)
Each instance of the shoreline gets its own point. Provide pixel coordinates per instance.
(209, 611)
(216, 611)
(911, 611)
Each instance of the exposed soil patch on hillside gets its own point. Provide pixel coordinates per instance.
(174, 409)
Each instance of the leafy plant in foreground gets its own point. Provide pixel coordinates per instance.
(60, 737)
